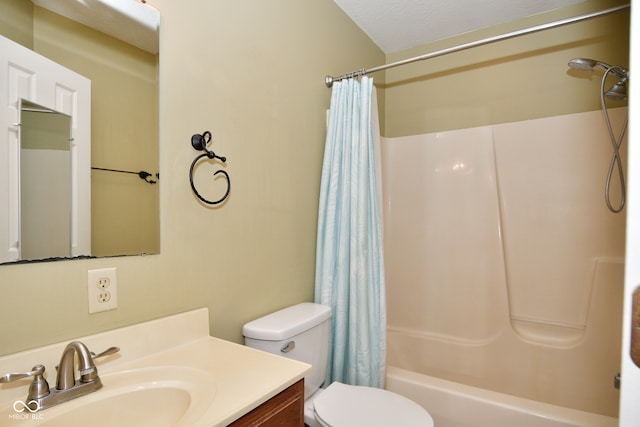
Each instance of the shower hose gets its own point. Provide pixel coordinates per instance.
(616, 142)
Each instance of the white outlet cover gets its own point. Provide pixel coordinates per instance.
(101, 296)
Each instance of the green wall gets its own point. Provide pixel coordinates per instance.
(253, 74)
(517, 79)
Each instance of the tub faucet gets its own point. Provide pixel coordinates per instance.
(67, 388)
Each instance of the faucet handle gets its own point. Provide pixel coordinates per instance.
(39, 386)
(107, 352)
(36, 370)
(89, 372)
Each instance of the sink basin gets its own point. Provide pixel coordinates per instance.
(158, 396)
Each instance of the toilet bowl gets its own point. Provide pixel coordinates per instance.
(301, 332)
(342, 405)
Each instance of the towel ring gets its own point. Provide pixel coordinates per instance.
(200, 142)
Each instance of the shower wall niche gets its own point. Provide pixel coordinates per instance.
(504, 266)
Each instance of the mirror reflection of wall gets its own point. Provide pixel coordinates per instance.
(124, 121)
(45, 183)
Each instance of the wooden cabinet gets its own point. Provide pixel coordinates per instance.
(283, 410)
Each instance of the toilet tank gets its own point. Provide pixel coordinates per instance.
(299, 332)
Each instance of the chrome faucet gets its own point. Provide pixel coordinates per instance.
(67, 388)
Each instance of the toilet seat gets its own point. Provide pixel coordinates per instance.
(342, 405)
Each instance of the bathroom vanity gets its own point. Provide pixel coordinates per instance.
(168, 372)
(286, 409)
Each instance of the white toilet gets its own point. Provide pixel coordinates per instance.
(301, 332)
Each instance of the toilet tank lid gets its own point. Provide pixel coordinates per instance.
(287, 322)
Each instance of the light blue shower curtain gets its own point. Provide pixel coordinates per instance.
(349, 257)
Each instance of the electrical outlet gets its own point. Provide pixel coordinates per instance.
(104, 282)
(102, 286)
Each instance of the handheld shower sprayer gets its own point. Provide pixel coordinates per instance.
(619, 90)
(616, 92)
(585, 64)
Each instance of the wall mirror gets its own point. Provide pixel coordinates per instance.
(113, 43)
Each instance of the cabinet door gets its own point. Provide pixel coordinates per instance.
(283, 410)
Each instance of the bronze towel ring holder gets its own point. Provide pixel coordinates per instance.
(200, 142)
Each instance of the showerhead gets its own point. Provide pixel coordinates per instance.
(586, 64)
(583, 64)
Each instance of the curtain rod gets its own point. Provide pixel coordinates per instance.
(328, 80)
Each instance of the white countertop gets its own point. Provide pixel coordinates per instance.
(243, 377)
(240, 378)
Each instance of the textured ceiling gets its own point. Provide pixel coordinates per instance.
(396, 25)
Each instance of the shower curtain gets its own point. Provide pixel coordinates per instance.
(349, 259)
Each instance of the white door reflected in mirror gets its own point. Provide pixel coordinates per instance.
(34, 80)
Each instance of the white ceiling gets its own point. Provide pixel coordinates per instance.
(396, 25)
(131, 21)
(393, 25)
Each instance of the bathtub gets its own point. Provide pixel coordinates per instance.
(457, 405)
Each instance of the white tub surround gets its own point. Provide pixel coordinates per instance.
(241, 378)
(504, 266)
